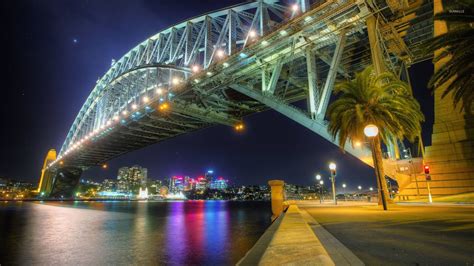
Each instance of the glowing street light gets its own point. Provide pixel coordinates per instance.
(105, 166)
(372, 131)
(359, 187)
(344, 190)
(332, 168)
(318, 178)
(321, 183)
(371, 188)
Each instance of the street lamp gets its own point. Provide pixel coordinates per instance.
(318, 177)
(344, 190)
(321, 183)
(371, 131)
(332, 167)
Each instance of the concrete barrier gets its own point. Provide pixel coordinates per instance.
(288, 241)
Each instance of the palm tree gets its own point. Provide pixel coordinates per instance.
(456, 48)
(382, 100)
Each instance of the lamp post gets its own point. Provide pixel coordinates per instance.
(321, 183)
(371, 131)
(344, 190)
(318, 178)
(332, 168)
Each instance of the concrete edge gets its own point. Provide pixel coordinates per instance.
(255, 254)
(339, 253)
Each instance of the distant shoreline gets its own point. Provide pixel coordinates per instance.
(153, 200)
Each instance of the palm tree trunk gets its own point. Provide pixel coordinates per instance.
(379, 172)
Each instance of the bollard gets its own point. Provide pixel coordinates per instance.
(277, 197)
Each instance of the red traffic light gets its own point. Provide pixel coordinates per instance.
(427, 169)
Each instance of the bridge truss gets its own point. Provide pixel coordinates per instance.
(222, 66)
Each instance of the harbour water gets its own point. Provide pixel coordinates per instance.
(123, 232)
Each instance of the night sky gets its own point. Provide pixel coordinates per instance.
(57, 49)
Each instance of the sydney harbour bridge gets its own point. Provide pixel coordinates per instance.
(222, 66)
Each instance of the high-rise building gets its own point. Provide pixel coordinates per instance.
(108, 185)
(131, 179)
(219, 183)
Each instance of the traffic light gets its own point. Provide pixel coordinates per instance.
(427, 169)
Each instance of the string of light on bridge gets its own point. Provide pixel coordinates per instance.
(164, 105)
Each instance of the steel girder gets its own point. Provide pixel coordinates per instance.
(290, 56)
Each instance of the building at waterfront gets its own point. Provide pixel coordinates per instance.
(130, 179)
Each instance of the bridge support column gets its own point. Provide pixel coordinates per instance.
(46, 179)
(65, 182)
(276, 187)
(451, 154)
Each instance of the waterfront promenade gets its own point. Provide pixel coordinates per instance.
(357, 233)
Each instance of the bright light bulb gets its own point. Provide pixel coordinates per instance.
(371, 130)
(146, 99)
(252, 34)
(332, 166)
(295, 7)
(220, 53)
(196, 68)
(116, 118)
(134, 106)
(159, 91)
(175, 81)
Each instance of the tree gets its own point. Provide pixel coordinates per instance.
(382, 100)
(456, 50)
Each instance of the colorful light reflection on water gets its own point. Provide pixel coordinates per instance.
(176, 233)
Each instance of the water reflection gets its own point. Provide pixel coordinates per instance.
(177, 233)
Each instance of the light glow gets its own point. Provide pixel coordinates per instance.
(332, 166)
(196, 68)
(371, 130)
(295, 7)
(134, 106)
(175, 81)
(220, 53)
(252, 34)
(146, 99)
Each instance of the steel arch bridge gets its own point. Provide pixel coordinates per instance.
(222, 66)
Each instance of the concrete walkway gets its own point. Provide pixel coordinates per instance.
(295, 238)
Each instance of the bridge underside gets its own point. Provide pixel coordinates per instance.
(226, 65)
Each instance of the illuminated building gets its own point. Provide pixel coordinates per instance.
(131, 179)
(219, 183)
(108, 185)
